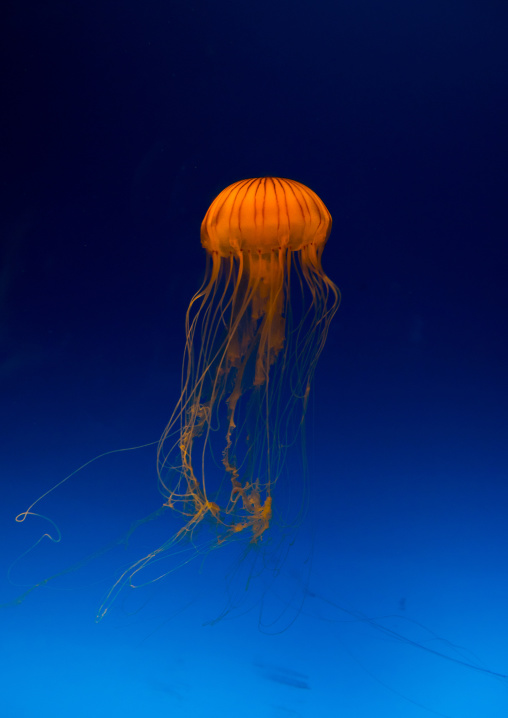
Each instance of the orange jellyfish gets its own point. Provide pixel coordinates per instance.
(254, 333)
(250, 355)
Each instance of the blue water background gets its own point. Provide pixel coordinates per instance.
(122, 123)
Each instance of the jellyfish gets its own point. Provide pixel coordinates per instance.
(249, 357)
(254, 333)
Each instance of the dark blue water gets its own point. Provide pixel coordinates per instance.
(121, 123)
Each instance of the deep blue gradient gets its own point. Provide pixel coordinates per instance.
(121, 122)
